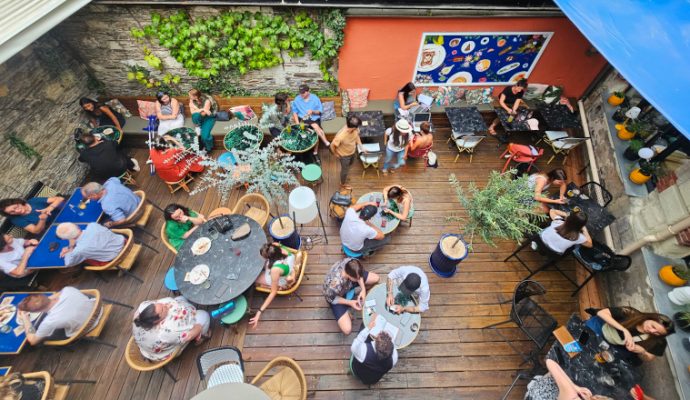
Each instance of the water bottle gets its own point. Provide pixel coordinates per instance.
(227, 308)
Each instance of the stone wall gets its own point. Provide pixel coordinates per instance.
(99, 34)
(39, 92)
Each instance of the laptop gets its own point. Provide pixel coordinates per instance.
(419, 118)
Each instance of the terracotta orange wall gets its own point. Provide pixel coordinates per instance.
(380, 53)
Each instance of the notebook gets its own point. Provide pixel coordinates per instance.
(384, 326)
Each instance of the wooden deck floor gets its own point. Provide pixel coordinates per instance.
(452, 357)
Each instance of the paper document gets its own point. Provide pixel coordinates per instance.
(384, 326)
(425, 100)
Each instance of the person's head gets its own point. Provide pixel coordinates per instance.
(280, 98)
(401, 132)
(367, 212)
(175, 212)
(92, 191)
(195, 94)
(384, 345)
(5, 242)
(13, 207)
(408, 88)
(160, 144)
(88, 104)
(151, 316)
(68, 231)
(411, 283)
(353, 122)
(87, 139)
(354, 269)
(304, 91)
(651, 323)
(521, 85)
(572, 226)
(163, 97)
(34, 303)
(271, 253)
(396, 192)
(557, 176)
(425, 128)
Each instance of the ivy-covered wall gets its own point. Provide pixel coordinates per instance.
(136, 50)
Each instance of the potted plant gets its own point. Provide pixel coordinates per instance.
(682, 320)
(623, 132)
(674, 275)
(633, 147)
(616, 98)
(644, 172)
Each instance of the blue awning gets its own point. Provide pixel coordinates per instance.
(648, 42)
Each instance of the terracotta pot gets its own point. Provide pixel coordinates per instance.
(669, 277)
(636, 176)
(624, 133)
(615, 100)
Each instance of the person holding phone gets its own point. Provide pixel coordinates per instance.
(410, 281)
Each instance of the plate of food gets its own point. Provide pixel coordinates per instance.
(460, 77)
(199, 274)
(108, 131)
(201, 246)
(482, 65)
(7, 312)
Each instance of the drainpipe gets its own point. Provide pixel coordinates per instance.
(662, 234)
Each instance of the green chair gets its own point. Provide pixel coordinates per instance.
(312, 174)
(241, 308)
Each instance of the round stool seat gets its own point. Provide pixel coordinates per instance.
(226, 160)
(311, 173)
(236, 315)
(170, 283)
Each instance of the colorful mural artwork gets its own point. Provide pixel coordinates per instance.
(478, 58)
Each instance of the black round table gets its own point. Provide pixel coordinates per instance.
(233, 265)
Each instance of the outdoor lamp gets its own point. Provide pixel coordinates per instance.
(304, 207)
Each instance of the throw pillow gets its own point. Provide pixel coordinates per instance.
(473, 96)
(243, 113)
(117, 106)
(146, 108)
(328, 111)
(358, 97)
(346, 102)
(487, 95)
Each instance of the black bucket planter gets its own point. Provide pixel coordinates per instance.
(443, 264)
(631, 154)
(681, 323)
(290, 238)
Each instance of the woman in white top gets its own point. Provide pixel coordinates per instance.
(566, 231)
(169, 113)
(279, 273)
(396, 139)
(540, 182)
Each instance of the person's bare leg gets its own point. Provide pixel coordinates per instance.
(492, 127)
(321, 133)
(372, 279)
(345, 324)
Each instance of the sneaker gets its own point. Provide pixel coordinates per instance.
(534, 246)
(198, 131)
(136, 165)
(384, 171)
(317, 159)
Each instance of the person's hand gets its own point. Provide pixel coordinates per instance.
(43, 216)
(404, 156)
(108, 224)
(45, 211)
(355, 304)
(29, 249)
(397, 308)
(390, 300)
(628, 340)
(372, 321)
(254, 321)
(362, 297)
(637, 393)
(184, 219)
(32, 242)
(310, 112)
(583, 392)
(560, 201)
(387, 211)
(64, 251)
(24, 317)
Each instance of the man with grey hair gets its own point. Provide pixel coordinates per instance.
(95, 245)
(116, 199)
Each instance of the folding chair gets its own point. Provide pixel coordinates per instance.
(371, 158)
(467, 144)
(599, 258)
(520, 154)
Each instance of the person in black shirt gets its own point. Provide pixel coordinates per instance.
(101, 114)
(509, 99)
(105, 158)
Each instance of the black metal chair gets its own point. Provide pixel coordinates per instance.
(552, 258)
(599, 258)
(221, 365)
(532, 319)
(597, 192)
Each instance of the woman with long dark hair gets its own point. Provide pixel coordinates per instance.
(101, 114)
(169, 112)
(180, 222)
(405, 99)
(203, 108)
(396, 139)
(540, 182)
(403, 200)
(566, 231)
(279, 274)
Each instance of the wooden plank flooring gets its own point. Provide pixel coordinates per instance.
(452, 357)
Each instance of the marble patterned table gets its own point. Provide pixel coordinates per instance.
(558, 117)
(375, 126)
(466, 120)
(514, 126)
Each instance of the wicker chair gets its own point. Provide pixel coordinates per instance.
(51, 390)
(254, 206)
(140, 216)
(138, 362)
(288, 383)
(93, 327)
(219, 211)
(300, 275)
(125, 260)
(166, 242)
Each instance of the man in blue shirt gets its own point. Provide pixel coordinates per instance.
(117, 200)
(307, 107)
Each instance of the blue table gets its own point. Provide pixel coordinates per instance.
(4, 371)
(72, 213)
(9, 342)
(42, 257)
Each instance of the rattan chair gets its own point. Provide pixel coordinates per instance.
(288, 383)
(219, 212)
(140, 216)
(94, 325)
(164, 239)
(254, 206)
(125, 260)
(299, 275)
(50, 387)
(138, 362)
(221, 365)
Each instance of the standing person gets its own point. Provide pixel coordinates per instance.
(540, 182)
(396, 139)
(101, 114)
(421, 143)
(509, 99)
(105, 158)
(410, 281)
(566, 231)
(33, 215)
(279, 274)
(169, 113)
(339, 289)
(372, 357)
(405, 99)
(307, 107)
(116, 199)
(283, 116)
(344, 145)
(360, 235)
(203, 108)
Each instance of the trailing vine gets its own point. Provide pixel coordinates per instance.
(217, 48)
(25, 149)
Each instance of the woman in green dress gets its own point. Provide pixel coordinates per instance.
(180, 222)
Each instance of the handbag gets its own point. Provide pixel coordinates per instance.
(222, 224)
(432, 159)
(222, 116)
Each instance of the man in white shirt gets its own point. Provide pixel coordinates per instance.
(96, 244)
(411, 281)
(14, 254)
(68, 310)
(372, 357)
(360, 235)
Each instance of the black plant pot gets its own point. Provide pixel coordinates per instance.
(681, 323)
(441, 261)
(631, 154)
(619, 114)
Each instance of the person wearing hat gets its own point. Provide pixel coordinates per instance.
(396, 139)
(307, 107)
(410, 281)
(357, 233)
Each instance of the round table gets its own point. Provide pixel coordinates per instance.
(243, 137)
(230, 274)
(186, 136)
(232, 391)
(298, 140)
(391, 222)
(405, 334)
(116, 136)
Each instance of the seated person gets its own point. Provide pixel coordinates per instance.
(172, 164)
(104, 157)
(162, 327)
(14, 255)
(180, 222)
(101, 114)
(556, 385)
(307, 107)
(410, 281)
(405, 99)
(32, 215)
(66, 312)
(566, 231)
(642, 334)
(203, 108)
(340, 280)
(421, 142)
(279, 274)
(372, 358)
(283, 115)
(169, 112)
(357, 233)
(540, 182)
(509, 100)
(95, 245)
(116, 199)
(402, 198)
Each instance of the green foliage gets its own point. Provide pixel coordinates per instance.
(503, 209)
(142, 75)
(22, 146)
(682, 272)
(618, 94)
(650, 168)
(226, 83)
(635, 145)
